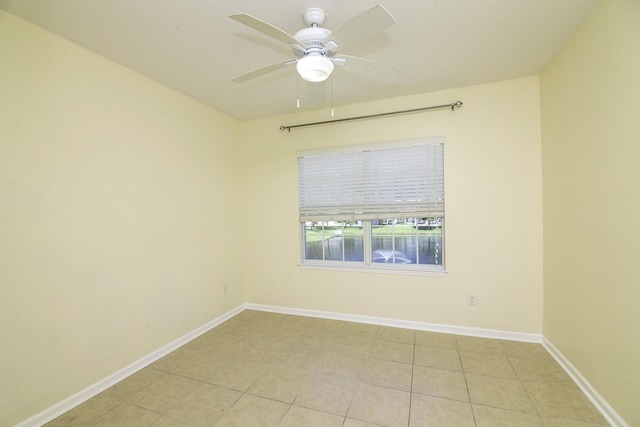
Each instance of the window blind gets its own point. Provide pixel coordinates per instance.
(398, 182)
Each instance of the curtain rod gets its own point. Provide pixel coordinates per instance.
(453, 106)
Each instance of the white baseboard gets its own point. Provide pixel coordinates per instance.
(71, 402)
(598, 401)
(407, 324)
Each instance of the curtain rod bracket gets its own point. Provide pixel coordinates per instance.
(453, 106)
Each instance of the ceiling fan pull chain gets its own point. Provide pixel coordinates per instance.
(332, 112)
(297, 92)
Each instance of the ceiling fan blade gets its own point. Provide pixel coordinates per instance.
(262, 71)
(266, 28)
(368, 68)
(359, 28)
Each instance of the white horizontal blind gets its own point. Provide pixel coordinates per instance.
(399, 182)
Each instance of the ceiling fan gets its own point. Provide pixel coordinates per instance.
(315, 48)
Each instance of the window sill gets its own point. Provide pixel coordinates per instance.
(364, 268)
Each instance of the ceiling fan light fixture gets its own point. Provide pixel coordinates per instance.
(314, 68)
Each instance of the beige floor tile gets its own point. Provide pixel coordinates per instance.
(499, 393)
(566, 401)
(283, 335)
(243, 316)
(387, 374)
(480, 345)
(280, 384)
(494, 417)
(126, 414)
(440, 383)
(436, 339)
(164, 393)
(217, 357)
(231, 324)
(323, 326)
(297, 322)
(487, 364)
(539, 370)
(86, 412)
(406, 336)
(393, 351)
(239, 349)
(436, 357)
(204, 341)
(430, 411)
(353, 328)
(275, 345)
(299, 417)
(134, 383)
(174, 359)
(255, 320)
(205, 405)
(343, 365)
(257, 329)
(227, 327)
(350, 422)
(526, 350)
(300, 358)
(203, 369)
(265, 352)
(165, 421)
(215, 342)
(317, 341)
(556, 422)
(239, 375)
(353, 344)
(380, 405)
(250, 335)
(327, 394)
(261, 323)
(253, 411)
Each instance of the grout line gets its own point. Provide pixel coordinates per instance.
(466, 384)
(413, 366)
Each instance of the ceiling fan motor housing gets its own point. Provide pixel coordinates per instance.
(312, 38)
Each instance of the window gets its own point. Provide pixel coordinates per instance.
(375, 207)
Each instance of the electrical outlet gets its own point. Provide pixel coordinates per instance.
(472, 299)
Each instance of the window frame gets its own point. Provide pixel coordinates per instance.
(367, 265)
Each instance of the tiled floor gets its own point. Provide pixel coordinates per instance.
(266, 369)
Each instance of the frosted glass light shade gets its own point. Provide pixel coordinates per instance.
(314, 68)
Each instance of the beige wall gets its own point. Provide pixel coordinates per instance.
(116, 196)
(591, 157)
(493, 211)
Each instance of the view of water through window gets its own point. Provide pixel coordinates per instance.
(429, 249)
(414, 241)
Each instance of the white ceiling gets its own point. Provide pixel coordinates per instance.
(193, 47)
